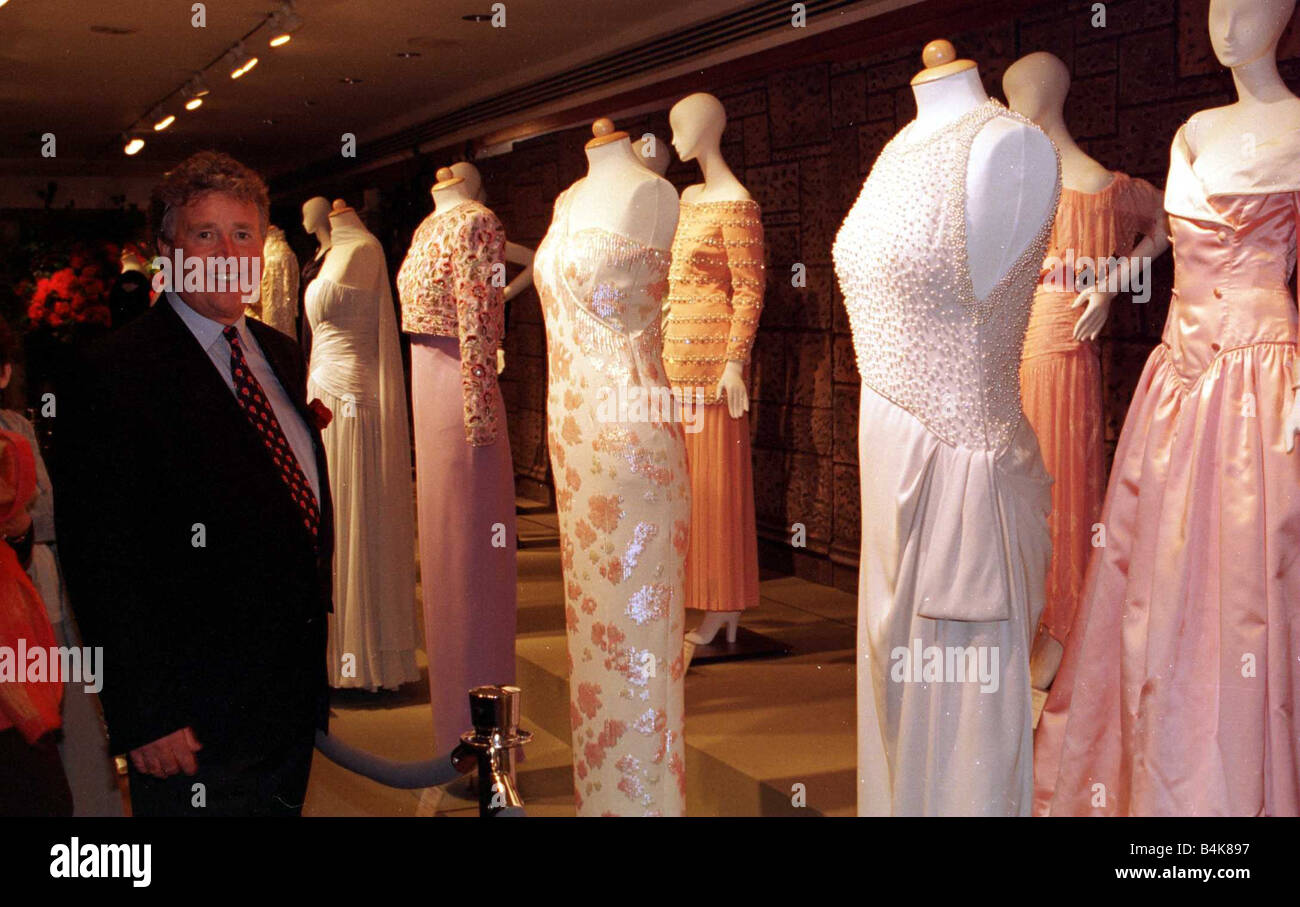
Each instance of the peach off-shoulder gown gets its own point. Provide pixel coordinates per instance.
(1060, 377)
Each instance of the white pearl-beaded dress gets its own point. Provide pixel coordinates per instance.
(954, 495)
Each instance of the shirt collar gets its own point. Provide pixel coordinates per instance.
(205, 330)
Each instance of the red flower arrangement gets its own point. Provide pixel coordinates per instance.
(74, 296)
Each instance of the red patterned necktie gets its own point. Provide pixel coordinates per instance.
(251, 399)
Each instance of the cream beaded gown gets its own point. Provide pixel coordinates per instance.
(954, 494)
(624, 503)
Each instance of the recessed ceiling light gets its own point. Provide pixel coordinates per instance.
(193, 103)
(132, 145)
(163, 123)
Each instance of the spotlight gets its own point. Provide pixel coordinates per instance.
(195, 90)
(160, 125)
(239, 61)
(131, 144)
(283, 24)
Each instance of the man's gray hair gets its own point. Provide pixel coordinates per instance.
(198, 175)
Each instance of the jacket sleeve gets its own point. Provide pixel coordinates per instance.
(742, 238)
(106, 516)
(479, 294)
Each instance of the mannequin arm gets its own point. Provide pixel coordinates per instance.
(1098, 301)
(742, 239)
(516, 254)
(479, 309)
(1292, 425)
(731, 388)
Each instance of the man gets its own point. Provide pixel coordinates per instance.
(194, 523)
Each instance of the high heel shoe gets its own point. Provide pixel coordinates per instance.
(706, 631)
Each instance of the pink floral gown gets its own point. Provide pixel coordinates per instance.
(624, 508)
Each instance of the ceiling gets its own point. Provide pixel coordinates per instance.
(88, 71)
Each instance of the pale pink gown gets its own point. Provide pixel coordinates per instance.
(1178, 691)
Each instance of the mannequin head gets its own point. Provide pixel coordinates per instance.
(656, 162)
(1243, 31)
(697, 121)
(1036, 86)
(473, 180)
(315, 214)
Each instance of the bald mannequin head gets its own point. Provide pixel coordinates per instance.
(316, 214)
(1242, 31)
(473, 179)
(1036, 86)
(697, 121)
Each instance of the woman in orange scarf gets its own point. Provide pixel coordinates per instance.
(32, 782)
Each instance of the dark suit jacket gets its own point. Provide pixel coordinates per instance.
(219, 626)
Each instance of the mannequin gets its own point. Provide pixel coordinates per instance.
(129, 295)
(277, 300)
(453, 311)
(722, 568)
(1004, 154)
(652, 152)
(1192, 600)
(316, 221)
(955, 544)
(1064, 372)
(515, 253)
(620, 195)
(621, 483)
(356, 370)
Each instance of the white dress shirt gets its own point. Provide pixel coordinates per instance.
(208, 334)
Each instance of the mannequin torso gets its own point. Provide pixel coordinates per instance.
(620, 196)
(1010, 178)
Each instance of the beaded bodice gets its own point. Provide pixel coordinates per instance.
(922, 338)
(602, 295)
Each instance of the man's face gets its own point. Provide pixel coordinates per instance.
(217, 226)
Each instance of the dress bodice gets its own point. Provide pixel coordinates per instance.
(605, 291)
(922, 338)
(1234, 253)
(345, 338)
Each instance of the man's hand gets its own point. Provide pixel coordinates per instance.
(168, 755)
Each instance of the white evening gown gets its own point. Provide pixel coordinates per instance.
(356, 370)
(955, 499)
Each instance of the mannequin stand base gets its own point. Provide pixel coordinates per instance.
(748, 644)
